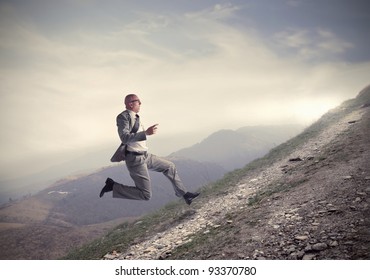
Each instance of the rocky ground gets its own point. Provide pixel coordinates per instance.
(311, 204)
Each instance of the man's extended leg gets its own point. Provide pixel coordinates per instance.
(169, 170)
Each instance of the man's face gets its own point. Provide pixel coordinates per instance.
(134, 104)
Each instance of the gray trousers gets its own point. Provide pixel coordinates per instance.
(139, 167)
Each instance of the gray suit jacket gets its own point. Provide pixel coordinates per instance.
(124, 126)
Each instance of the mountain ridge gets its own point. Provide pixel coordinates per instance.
(236, 148)
(25, 186)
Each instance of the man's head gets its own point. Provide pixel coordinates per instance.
(132, 102)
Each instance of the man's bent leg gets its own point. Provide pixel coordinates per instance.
(139, 173)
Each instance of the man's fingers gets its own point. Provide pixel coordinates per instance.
(152, 129)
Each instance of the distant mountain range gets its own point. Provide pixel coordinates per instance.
(71, 208)
(235, 148)
(26, 185)
(227, 148)
(74, 200)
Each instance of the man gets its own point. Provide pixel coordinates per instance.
(138, 161)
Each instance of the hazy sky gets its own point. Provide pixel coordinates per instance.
(198, 66)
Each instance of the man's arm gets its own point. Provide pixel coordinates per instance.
(124, 130)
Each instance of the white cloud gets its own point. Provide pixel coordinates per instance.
(312, 44)
(216, 12)
(331, 43)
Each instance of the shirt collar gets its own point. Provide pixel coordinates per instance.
(132, 114)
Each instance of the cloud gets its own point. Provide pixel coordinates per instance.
(312, 44)
(216, 12)
(330, 43)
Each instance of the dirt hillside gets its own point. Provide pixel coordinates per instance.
(309, 203)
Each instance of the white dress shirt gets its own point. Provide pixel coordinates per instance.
(139, 146)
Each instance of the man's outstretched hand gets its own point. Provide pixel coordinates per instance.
(151, 130)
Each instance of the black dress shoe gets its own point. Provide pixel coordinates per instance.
(189, 197)
(108, 187)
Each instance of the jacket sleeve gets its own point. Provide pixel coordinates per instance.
(124, 130)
